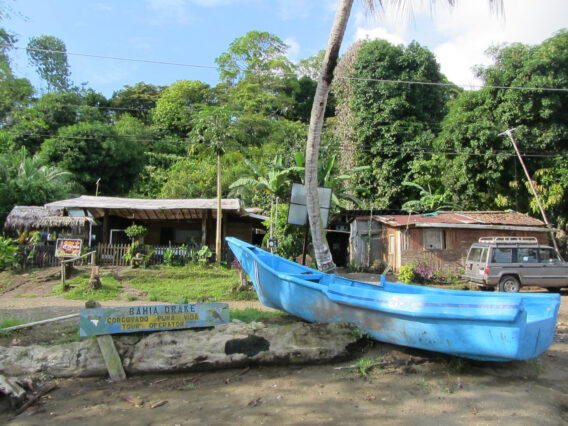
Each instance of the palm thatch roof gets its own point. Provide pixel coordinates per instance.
(64, 222)
(25, 218)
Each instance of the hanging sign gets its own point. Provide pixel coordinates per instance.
(133, 319)
(66, 247)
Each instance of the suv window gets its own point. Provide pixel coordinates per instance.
(475, 254)
(528, 255)
(548, 255)
(478, 254)
(502, 255)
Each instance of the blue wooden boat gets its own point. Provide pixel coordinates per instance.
(469, 324)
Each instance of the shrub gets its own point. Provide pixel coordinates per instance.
(423, 273)
(406, 274)
(8, 254)
(136, 232)
(378, 266)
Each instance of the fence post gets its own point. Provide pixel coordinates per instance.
(63, 285)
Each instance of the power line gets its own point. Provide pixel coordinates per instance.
(428, 83)
(383, 150)
(379, 80)
(114, 58)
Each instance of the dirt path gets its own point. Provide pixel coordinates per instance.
(439, 390)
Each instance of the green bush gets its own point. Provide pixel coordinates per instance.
(135, 232)
(406, 274)
(8, 254)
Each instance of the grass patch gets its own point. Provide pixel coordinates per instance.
(251, 315)
(26, 296)
(364, 365)
(189, 283)
(68, 336)
(110, 289)
(9, 322)
(6, 280)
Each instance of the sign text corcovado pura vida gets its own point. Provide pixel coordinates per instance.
(99, 321)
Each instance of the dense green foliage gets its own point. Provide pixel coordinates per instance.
(48, 55)
(485, 172)
(394, 122)
(387, 141)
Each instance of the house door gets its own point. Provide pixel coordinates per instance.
(392, 251)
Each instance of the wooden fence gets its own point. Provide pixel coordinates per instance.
(107, 255)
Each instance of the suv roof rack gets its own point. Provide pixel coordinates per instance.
(508, 240)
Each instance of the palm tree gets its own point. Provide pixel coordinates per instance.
(321, 248)
(428, 200)
(327, 178)
(274, 181)
(214, 127)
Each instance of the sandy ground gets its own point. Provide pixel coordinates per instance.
(435, 390)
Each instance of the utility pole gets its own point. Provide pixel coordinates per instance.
(509, 132)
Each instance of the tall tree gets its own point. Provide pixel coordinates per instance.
(14, 92)
(393, 123)
(137, 101)
(214, 127)
(95, 150)
(321, 248)
(486, 173)
(257, 54)
(178, 103)
(49, 55)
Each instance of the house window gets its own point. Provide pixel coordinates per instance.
(187, 236)
(433, 239)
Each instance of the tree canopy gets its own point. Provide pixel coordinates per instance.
(394, 128)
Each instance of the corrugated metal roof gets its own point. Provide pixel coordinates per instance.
(146, 209)
(460, 218)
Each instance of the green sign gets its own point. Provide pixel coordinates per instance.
(99, 321)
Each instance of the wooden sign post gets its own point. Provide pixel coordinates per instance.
(101, 322)
(133, 319)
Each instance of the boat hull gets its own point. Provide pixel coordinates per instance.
(476, 325)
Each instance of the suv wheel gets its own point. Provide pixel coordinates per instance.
(509, 284)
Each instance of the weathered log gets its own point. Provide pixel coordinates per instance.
(231, 345)
(12, 389)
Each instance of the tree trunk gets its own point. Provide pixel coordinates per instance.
(321, 248)
(219, 213)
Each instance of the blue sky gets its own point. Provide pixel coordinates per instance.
(195, 32)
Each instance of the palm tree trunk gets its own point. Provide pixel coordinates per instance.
(321, 248)
(219, 213)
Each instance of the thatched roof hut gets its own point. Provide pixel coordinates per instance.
(26, 218)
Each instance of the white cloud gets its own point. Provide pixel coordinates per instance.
(379, 33)
(165, 11)
(459, 36)
(293, 49)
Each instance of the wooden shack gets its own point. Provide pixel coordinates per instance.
(169, 221)
(440, 239)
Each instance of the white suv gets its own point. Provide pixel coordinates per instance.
(511, 262)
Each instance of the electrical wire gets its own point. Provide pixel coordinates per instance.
(178, 64)
(384, 150)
